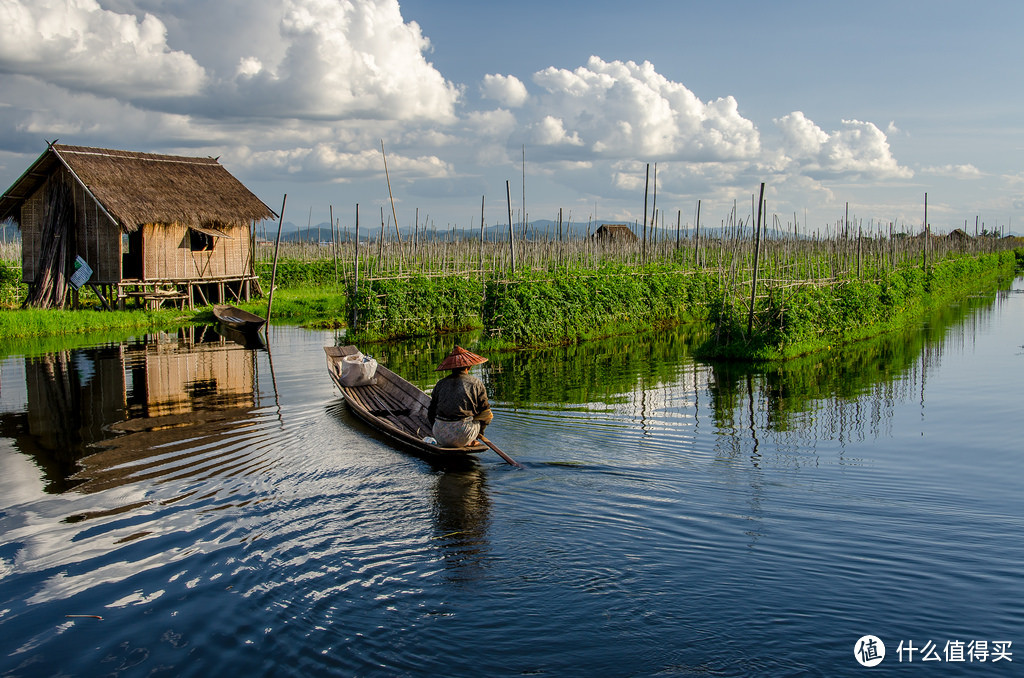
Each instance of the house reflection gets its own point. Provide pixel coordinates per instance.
(90, 411)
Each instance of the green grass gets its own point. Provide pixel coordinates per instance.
(32, 322)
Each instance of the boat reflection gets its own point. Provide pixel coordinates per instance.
(461, 503)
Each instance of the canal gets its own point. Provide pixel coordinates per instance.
(183, 504)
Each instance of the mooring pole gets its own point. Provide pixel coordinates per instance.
(757, 255)
(511, 234)
(355, 288)
(273, 270)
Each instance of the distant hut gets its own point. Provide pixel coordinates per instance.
(615, 233)
(958, 235)
(153, 227)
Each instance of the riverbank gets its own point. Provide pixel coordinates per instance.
(571, 304)
(801, 319)
(791, 317)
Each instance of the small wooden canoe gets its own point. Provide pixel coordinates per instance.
(237, 319)
(392, 406)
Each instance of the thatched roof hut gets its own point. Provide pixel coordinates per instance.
(135, 219)
(615, 233)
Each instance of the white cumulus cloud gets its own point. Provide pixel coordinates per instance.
(330, 160)
(967, 171)
(550, 131)
(627, 110)
(855, 148)
(81, 46)
(507, 90)
(345, 59)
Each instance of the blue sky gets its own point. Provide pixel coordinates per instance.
(871, 103)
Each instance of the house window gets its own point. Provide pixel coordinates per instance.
(200, 242)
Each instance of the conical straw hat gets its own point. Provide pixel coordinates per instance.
(460, 357)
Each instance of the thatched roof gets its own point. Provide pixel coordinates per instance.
(145, 188)
(615, 232)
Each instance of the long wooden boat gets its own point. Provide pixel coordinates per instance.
(393, 406)
(237, 319)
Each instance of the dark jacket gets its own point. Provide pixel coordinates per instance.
(459, 396)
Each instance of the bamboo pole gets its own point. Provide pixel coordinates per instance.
(388, 178)
(511, 234)
(483, 275)
(924, 264)
(355, 288)
(696, 239)
(334, 244)
(273, 270)
(647, 185)
(757, 254)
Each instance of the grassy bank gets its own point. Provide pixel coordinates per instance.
(792, 317)
(30, 322)
(811, 294)
(795, 320)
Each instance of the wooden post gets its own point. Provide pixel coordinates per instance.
(757, 254)
(511, 235)
(643, 244)
(334, 244)
(654, 211)
(860, 235)
(679, 223)
(924, 264)
(393, 215)
(273, 270)
(483, 274)
(355, 288)
(696, 238)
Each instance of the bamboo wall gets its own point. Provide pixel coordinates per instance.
(167, 254)
(31, 224)
(96, 238)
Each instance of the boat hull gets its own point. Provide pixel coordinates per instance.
(237, 319)
(392, 406)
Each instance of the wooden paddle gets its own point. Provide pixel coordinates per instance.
(501, 454)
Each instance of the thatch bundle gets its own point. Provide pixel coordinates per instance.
(146, 188)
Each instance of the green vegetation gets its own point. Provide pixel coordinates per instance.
(295, 272)
(537, 308)
(12, 291)
(414, 306)
(29, 322)
(811, 293)
(801, 319)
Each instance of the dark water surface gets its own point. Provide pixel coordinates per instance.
(224, 514)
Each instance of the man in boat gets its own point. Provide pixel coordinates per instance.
(459, 411)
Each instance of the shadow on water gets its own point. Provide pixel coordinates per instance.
(461, 504)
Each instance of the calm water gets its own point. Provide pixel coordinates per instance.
(224, 514)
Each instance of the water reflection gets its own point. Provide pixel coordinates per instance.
(652, 383)
(847, 394)
(94, 415)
